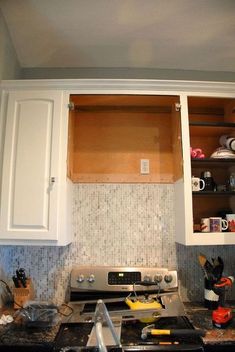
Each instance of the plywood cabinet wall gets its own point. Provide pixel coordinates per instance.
(109, 135)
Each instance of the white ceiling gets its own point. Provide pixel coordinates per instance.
(163, 34)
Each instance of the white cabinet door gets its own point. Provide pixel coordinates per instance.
(29, 196)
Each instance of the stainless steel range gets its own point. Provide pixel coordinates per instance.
(129, 308)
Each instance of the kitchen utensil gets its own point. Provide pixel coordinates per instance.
(205, 225)
(23, 294)
(198, 184)
(207, 267)
(218, 267)
(21, 277)
(231, 182)
(231, 222)
(222, 153)
(210, 184)
(144, 303)
(16, 282)
(227, 142)
(218, 224)
(39, 314)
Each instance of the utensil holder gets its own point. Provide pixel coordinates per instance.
(23, 294)
(211, 299)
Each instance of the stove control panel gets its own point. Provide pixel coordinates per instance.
(106, 278)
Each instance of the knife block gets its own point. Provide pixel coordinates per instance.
(23, 294)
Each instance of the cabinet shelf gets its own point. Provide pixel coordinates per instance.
(211, 193)
(211, 124)
(212, 161)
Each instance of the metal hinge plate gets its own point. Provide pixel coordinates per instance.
(177, 106)
(71, 106)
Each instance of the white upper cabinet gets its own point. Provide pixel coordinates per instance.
(206, 119)
(154, 120)
(31, 175)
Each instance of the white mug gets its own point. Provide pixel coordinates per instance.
(205, 225)
(231, 222)
(218, 224)
(197, 184)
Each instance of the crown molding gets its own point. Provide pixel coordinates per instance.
(131, 86)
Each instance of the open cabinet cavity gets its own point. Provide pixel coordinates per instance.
(124, 138)
(209, 119)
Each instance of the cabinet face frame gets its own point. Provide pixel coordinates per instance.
(190, 237)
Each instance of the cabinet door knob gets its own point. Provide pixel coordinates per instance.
(52, 179)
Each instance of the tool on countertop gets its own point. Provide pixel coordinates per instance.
(222, 316)
(151, 330)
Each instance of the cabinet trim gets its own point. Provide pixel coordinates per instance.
(134, 86)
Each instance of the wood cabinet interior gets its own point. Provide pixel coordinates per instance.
(110, 134)
(210, 118)
(206, 206)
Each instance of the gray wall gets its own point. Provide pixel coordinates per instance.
(10, 68)
(122, 73)
(9, 65)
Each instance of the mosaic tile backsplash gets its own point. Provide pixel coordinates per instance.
(116, 224)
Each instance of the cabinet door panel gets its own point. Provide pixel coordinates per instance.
(29, 198)
(30, 176)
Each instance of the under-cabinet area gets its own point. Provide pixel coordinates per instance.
(124, 138)
(211, 130)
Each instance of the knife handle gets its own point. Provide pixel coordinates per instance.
(16, 282)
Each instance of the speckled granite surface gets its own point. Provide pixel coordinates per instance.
(201, 318)
(16, 334)
(16, 337)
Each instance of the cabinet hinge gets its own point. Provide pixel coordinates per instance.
(177, 106)
(71, 106)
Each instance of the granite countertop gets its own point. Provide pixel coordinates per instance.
(200, 317)
(16, 334)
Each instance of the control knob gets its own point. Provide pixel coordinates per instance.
(158, 278)
(91, 278)
(168, 278)
(80, 278)
(147, 278)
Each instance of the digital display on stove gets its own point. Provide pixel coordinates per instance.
(123, 277)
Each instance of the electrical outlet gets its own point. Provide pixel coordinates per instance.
(144, 166)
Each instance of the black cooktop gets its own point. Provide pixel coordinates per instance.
(77, 334)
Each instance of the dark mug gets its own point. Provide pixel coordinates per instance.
(210, 184)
